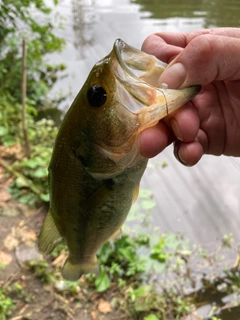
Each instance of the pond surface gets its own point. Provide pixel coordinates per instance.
(201, 202)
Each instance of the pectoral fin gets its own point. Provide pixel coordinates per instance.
(98, 197)
(49, 236)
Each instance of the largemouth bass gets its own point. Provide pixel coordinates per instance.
(96, 166)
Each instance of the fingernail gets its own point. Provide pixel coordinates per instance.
(174, 75)
(175, 128)
(180, 154)
(183, 155)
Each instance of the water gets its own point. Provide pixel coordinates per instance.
(216, 13)
(92, 26)
(202, 202)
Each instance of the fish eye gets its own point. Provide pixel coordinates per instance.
(96, 96)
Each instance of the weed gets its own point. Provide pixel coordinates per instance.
(41, 269)
(6, 304)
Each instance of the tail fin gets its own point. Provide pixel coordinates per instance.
(72, 272)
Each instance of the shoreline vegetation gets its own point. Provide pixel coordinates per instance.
(144, 274)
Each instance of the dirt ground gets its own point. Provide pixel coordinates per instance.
(32, 299)
(31, 287)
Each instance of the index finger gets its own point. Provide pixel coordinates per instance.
(167, 45)
(164, 46)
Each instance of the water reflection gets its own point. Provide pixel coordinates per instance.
(216, 13)
(92, 26)
(83, 20)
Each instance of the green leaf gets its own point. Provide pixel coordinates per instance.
(8, 139)
(102, 282)
(3, 131)
(30, 163)
(21, 182)
(40, 173)
(134, 213)
(28, 199)
(151, 317)
(172, 241)
(45, 197)
(127, 253)
(145, 193)
(148, 204)
(142, 291)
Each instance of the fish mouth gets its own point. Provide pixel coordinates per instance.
(138, 89)
(137, 65)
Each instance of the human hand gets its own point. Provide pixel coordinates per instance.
(210, 123)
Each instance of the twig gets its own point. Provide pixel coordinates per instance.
(12, 278)
(29, 183)
(26, 142)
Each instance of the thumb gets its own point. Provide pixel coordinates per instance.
(206, 58)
